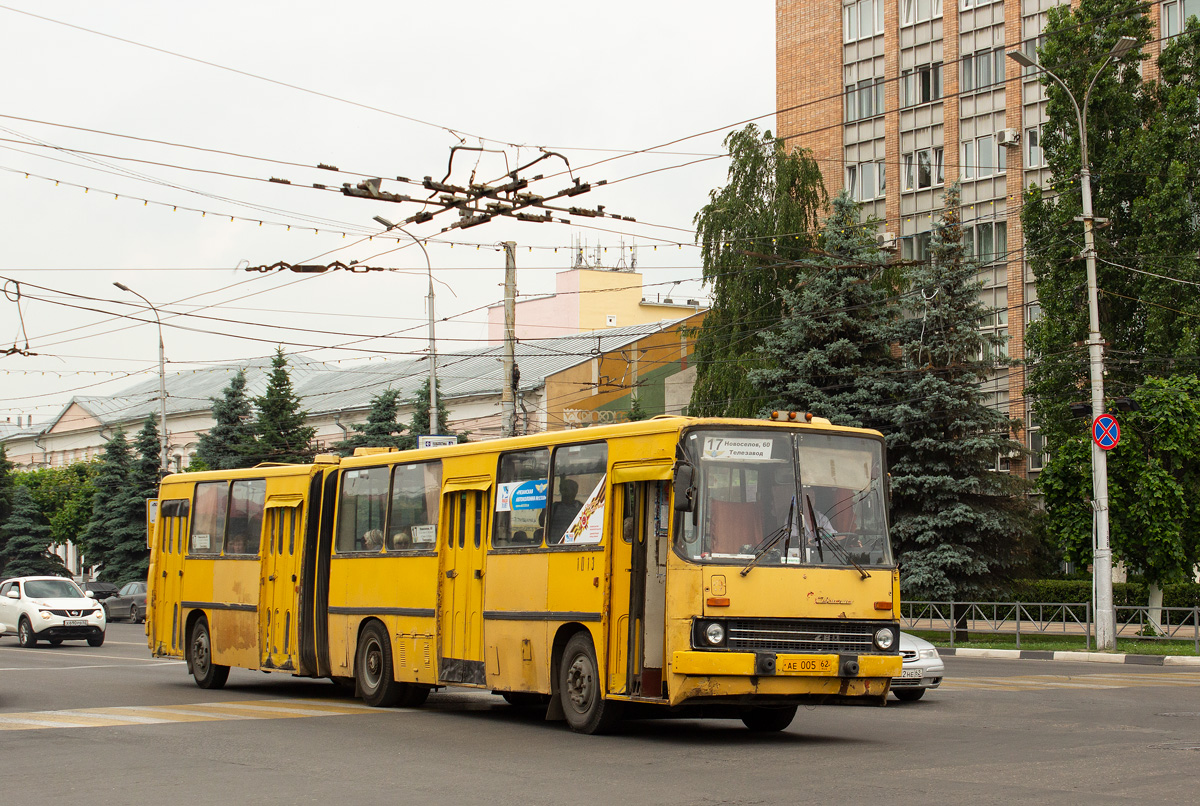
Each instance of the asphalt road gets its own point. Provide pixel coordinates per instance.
(84, 725)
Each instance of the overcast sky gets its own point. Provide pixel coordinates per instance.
(376, 89)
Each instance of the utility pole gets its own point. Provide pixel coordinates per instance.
(1106, 631)
(507, 400)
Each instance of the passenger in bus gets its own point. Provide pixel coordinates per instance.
(565, 509)
(374, 540)
(402, 540)
(238, 543)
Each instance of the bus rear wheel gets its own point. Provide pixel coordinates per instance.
(373, 668)
(768, 720)
(580, 689)
(206, 673)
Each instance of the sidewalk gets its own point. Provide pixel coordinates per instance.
(1077, 657)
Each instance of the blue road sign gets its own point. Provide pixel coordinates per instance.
(1106, 432)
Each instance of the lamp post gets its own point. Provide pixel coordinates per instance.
(1102, 573)
(162, 377)
(433, 409)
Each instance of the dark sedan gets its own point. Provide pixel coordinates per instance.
(100, 590)
(129, 602)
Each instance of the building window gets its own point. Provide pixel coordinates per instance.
(862, 19)
(1175, 15)
(980, 158)
(930, 168)
(988, 242)
(1033, 147)
(865, 181)
(864, 99)
(915, 247)
(969, 4)
(1038, 455)
(922, 85)
(982, 70)
(912, 11)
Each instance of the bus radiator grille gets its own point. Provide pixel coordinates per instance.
(800, 636)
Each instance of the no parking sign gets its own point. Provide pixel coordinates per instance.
(1106, 432)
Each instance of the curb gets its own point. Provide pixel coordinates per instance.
(1078, 657)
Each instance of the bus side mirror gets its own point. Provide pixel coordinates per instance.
(683, 488)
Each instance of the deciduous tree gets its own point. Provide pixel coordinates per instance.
(750, 234)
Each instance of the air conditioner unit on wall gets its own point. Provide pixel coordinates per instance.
(886, 240)
(1008, 137)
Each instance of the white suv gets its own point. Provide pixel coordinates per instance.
(50, 608)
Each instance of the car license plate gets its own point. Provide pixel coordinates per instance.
(912, 673)
(74, 623)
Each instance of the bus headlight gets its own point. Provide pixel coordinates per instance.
(714, 633)
(885, 638)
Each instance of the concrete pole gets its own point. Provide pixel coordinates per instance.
(507, 401)
(1106, 626)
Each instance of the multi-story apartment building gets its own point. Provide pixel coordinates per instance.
(898, 98)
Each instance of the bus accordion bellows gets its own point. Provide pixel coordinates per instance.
(712, 567)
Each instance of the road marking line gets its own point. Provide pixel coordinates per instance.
(127, 716)
(1103, 681)
(68, 668)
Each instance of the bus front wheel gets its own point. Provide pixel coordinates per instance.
(373, 668)
(580, 689)
(206, 673)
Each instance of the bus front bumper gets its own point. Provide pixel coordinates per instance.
(765, 676)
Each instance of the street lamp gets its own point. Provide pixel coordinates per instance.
(162, 376)
(1102, 576)
(433, 409)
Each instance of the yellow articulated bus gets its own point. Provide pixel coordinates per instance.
(718, 567)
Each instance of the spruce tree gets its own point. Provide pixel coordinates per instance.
(281, 433)
(6, 486)
(381, 430)
(750, 233)
(960, 528)
(420, 417)
(229, 444)
(116, 537)
(831, 354)
(25, 538)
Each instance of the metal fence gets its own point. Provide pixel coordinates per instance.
(1049, 618)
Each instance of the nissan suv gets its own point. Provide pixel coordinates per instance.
(52, 609)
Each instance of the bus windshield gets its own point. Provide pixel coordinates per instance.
(785, 498)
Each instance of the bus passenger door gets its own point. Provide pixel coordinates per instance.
(637, 612)
(624, 624)
(282, 546)
(167, 586)
(461, 612)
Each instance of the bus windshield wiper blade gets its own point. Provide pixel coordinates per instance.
(837, 550)
(769, 542)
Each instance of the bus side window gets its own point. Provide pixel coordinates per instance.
(246, 505)
(522, 483)
(208, 519)
(579, 473)
(361, 508)
(413, 522)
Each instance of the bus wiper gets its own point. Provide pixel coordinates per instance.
(771, 540)
(838, 551)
